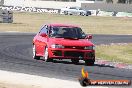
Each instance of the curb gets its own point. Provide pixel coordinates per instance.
(113, 64)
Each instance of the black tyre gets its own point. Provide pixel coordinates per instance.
(75, 61)
(34, 53)
(65, 13)
(82, 14)
(89, 62)
(88, 13)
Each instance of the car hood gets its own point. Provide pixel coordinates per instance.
(70, 42)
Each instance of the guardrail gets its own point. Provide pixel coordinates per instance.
(30, 9)
(57, 11)
(124, 14)
(110, 13)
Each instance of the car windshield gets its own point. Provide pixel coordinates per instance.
(67, 32)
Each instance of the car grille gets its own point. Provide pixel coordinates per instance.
(73, 54)
(74, 47)
(57, 53)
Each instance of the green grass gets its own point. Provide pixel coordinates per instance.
(31, 22)
(115, 53)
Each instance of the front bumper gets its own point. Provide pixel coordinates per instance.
(71, 54)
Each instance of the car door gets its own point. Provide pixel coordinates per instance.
(72, 10)
(77, 11)
(42, 41)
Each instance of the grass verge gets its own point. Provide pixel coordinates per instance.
(115, 52)
(31, 22)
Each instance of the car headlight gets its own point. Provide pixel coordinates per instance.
(57, 46)
(89, 47)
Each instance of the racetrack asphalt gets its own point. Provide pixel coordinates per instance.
(16, 56)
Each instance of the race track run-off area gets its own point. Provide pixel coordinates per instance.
(16, 56)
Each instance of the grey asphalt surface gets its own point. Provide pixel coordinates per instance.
(16, 56)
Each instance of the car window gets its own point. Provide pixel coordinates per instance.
(80, 9)
(72, 7)
(44, 29)
(67, 32)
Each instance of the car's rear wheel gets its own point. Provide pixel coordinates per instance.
(89, 62)
(46, 55)
(82, 14)
(34, 54)
(66, 12)
(75, 61)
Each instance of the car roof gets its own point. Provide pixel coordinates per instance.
(62, 25)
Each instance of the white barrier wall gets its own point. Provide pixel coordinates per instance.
(57, 11)
(30, 9)
(124, 14)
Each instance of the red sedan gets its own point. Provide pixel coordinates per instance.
(61, 41)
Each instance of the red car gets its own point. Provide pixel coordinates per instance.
(61, 41)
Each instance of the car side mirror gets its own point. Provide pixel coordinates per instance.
(89, 37)
(43, 34)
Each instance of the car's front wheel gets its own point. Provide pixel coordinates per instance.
(89, 62)
(46, 56)
(65, 12)
(82, 14)
(34, 53)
